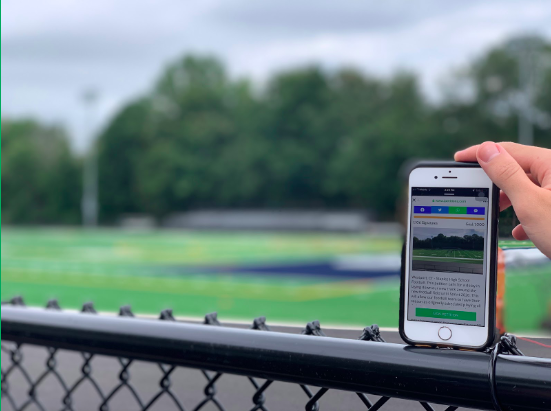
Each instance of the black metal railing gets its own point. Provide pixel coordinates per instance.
(367, 367)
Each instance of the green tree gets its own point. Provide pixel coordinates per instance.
(366, 165)
(120, 150)
(298, 138)
(190, 143)
(41, 179)
(493, 109)
(309, 139)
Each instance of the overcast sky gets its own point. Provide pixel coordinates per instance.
(52, 50)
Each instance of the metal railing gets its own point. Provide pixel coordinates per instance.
(367, 365)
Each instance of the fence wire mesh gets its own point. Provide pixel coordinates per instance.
(54, 379)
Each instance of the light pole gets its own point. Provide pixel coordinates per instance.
(528, 51)
(89, 204)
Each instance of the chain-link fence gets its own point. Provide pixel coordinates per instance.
(53, 359)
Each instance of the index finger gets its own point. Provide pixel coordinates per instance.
(467, 155)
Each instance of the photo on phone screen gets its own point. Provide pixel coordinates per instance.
(449, 230)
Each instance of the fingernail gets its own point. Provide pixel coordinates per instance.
(487, 151)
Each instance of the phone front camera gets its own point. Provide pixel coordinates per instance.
(435, 177)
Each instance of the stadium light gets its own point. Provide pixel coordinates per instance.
(531, 59)
(89, 204)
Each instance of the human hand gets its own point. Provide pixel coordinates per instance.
(523, 173)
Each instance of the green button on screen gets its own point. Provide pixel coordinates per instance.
(458, 210)
(445, 314)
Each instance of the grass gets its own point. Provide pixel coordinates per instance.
(450, 256)
(113, 268)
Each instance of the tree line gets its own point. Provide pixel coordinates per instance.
(442, 241)
(307, 138)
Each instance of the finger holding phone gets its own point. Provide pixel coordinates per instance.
(523, 173)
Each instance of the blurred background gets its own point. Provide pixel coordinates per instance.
(247, 157)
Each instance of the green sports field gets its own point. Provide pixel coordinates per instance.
(449, 256)
(286, 277)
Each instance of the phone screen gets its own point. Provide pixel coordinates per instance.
(447, 276)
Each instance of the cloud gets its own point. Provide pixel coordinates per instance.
(50, 55)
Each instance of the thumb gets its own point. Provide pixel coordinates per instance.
(504, 171)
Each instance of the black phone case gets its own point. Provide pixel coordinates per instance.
(494, 221)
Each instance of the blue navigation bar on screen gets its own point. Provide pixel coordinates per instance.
(447, 210)
(440, 210)
(476, 210)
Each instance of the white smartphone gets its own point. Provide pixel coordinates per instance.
(449, 270)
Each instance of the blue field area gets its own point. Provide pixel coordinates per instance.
(318, 269)
(339, 279)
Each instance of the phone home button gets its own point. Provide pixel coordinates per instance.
(445, 333)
